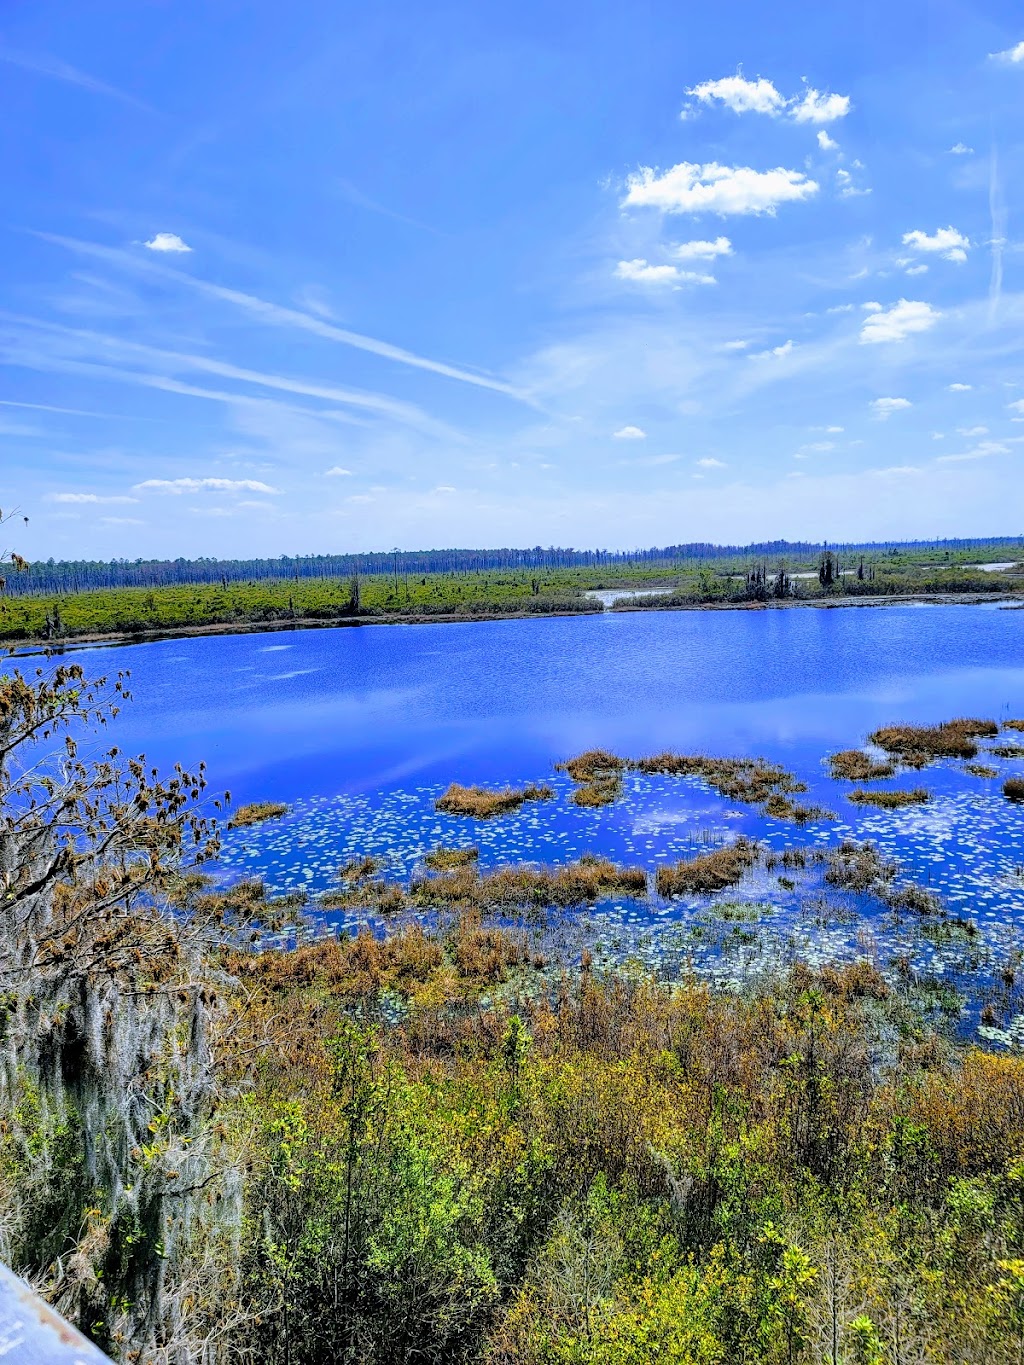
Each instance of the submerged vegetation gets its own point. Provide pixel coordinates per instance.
(482, 804)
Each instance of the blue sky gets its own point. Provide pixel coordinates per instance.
(322, 277)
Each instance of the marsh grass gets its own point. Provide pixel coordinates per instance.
(918, 745)
(1006, 750)
(448, 859)
(708, 872)
(521, 887)
(598, 777)
(1013, 725)
(752, 781)
(256, 812)
(889, 800)
(780, 807)
(1013, 789)
(853, 765)
(981, 770)
(482, 804)
(861, 868)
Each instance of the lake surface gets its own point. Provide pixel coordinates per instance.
(360, 729)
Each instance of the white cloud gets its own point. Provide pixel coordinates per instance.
(167, 241)
(959, 388)
(903, 319)
(840, 308)
(826, 143)
(207, 485)
(961, 149)
(980, 452)
(740, 95)
(897, 469)
(336, 471)
(709, 462)
(761, 97)
(444, 488)
(782, 350)
(819, 446)
(884, 408)
(847, 189)
(1017, 405)
(642, 272)
(816, 107)
(630, 434)
(919, 269)
(86, 498)
(702, 251)
(1013, 55)
(950, 244)
(972, 431)
(734, 345)
(712, 188)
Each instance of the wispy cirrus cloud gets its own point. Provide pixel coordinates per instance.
(91, 498)
(282, 316)
(44, 64)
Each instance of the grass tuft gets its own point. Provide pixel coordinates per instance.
(256, 812)
(890, 800)
(854, 765)
(482, 804)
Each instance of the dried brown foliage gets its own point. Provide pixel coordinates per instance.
(853, 765)
(708, 872)
(482, 804)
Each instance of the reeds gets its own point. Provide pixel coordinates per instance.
(1006, 750)
(1013, 725)
(853, 765)
(980, 770)
(481, 804)
(1013, 789)
(918, 745)
(889, 800)
(708, 872)
(256, 812)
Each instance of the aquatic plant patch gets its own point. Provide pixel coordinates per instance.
(256, 812)
(482, 804)
(918, 745)
(889, 800)
(854, 765)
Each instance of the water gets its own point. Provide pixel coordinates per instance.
(358, 730)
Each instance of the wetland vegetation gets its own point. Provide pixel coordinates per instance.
(63, 601)
(450, 1132)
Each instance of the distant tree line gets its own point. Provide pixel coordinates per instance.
(67, 576)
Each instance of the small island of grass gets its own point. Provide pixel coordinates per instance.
(853, 765)
(889, 800)
(918, 745)
(482, 804)
(256, 812)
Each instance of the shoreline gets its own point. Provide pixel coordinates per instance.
(18, 648)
